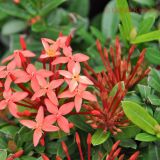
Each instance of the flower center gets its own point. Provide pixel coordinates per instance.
(76, 77)
(50, 52)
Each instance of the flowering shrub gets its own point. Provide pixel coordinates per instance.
(34, 96)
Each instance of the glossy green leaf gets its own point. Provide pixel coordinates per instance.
(154, 100)
(154, 79)
(146, 25)
(28, 158)
(13, 26)
(99, 137)
(152, 152)
(9, 130)
(157, 114)
(153, 55)
(50, 5)
(3, 154)
(13, 10)
(145, 137)
(79, 122)
(154, 35)
(123, 10)
(128, 132)
(128, 143)
(144, 90)
(110, 20)
(139, 116)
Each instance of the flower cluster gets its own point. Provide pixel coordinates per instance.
(42, 98)
(112, 85)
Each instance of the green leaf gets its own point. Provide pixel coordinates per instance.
(139, 116)
(49, 6)
(3, 154)
(39, 27)
(153, 55)
(128, 143)
(28, 158)
(13, 26)
(157, 114)
(125, 17)
(154, 79)
(79, 7)
(152, 152)
(146, 25)
(144, 91)
(99, 137)
(13, 10)
(145, 137)
(79, 122)
(9, 130)
(98, 34)
(154, 35)
(145, 2)
(154, 100)
(110, 20)
(128, 132)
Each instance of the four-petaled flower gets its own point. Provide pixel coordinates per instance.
(74, 78)
(51, 48)
(31, 74)
(79, 94)
(48, 88)
(58, 114)
(69, 58)
(41, 124)
(16, 57)
(10, 101)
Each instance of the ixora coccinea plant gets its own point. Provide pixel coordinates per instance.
(42, 99)
(39, 91)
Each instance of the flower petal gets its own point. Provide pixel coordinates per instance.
(78, 103)
(67, 94)
(89, 96)
(85, 80)
(18, 96)
(65, 73)
(36, 136)
(50, 106)
(31, 69)
(59, 60)
(63, 124)
(34, 84)
(55, 83)
(52, 97)
(28, 123)
(45, 73)
(38, 94)
(7, 59)
(40, 115)
(13, 109)
(72, 85)
(79, 57)
(27, 53)
(7, 82)
(3, 104)
(76, 69)
(66, 108)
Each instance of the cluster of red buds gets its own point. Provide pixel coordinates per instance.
(42, 98)
(112, 155)
(120, 76)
